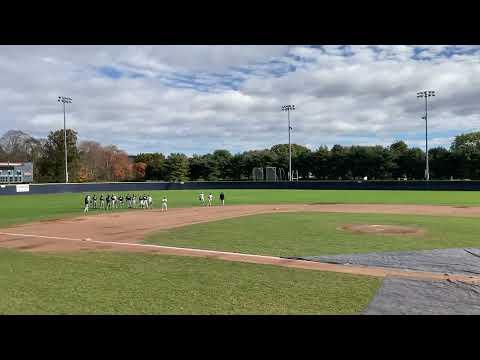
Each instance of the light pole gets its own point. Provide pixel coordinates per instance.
(289, 108)
(426, 95)
(65, 100)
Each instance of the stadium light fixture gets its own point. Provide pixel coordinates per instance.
(426, 94)
(65, 100)
(289, 108)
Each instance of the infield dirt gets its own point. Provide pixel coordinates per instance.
(124, 231)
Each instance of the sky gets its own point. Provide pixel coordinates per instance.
(195, 99)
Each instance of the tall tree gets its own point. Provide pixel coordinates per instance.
(117, 164)
(92, 160)
(51, 164)
(466, 155)
(155, 169)
(200, 167)
(415, 164)
(236, 166)
(399, 154)
(338, 163)
(320, 163)
(299, 154)
(303, 163)
(468, 140)
(222, 159)
(176, 167)
(18, 146)
(441, 163)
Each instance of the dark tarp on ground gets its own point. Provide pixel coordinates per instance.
(417, 297)
(448, 261)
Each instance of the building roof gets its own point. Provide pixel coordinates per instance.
(12, 164)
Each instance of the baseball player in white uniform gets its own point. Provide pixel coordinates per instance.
(164, 204)
(150, 201)
(202, 198)
(210, 198)
(87, 203)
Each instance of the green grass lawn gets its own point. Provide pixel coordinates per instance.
(116, 283)
(303, 234)
(26, 208)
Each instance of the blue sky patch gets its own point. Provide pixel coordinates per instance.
(110, 72)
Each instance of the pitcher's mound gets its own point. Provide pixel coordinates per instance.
(382, 229)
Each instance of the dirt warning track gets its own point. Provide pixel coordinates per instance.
(124, 231)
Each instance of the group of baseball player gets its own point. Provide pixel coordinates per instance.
(129, 201)
(112, 201)
(209, 201)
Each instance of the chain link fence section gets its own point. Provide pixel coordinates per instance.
(257, 174)
(271, 173)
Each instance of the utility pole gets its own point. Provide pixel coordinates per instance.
(289, 108)
(65, 100)
(426, 95)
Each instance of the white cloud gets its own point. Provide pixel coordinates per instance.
(199, 98)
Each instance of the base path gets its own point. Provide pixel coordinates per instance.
(123, 231)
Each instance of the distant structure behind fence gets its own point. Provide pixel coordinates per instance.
(269, 173)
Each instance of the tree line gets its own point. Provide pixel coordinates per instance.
(90, 161)
(397, 161)
(87, 160)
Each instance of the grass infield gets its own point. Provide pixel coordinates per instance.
(304, 234)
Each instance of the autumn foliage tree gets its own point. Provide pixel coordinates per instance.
(91, 157)
(139, 170)
(117, 164)
(100, 163)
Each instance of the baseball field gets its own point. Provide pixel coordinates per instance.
(250, 256)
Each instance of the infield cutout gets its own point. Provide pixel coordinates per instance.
(382, 229)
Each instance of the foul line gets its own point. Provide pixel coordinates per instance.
(42, 236)
(140, 245)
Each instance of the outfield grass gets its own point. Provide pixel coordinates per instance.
(26, 208)
(115, 283)
(304, 234)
